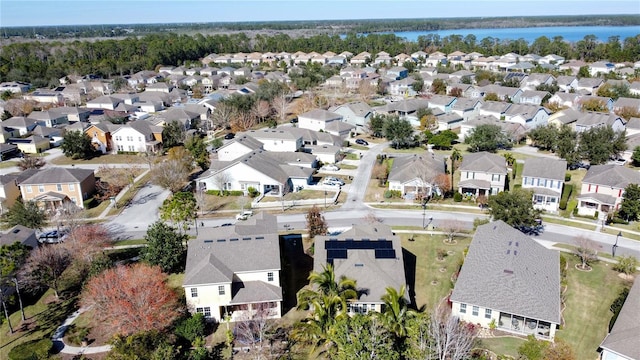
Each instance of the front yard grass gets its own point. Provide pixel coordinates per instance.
(505, 345)
(102, 159)
(588, 298)
(8, 164)
(431, 283)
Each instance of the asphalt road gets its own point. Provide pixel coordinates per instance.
(140, 213)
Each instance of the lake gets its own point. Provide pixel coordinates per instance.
(569, 33)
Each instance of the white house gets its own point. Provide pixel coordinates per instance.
(277, 140)
(137, 136)
(235, 271)
(416, 175)
(509, 282)
(238, 147)
(545, 177)
(317, 119)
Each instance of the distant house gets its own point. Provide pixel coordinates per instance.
(482, 174)
(623, 342)
(34, 144)
(603, 189)
(369, 254)
(398, 72)
(277, 139)
(545, 177)
(100, 134)
(49, 118)
(354, 113)
(9, 192)
(589, 120)
(317, 119)
(137, 136)
(20, 234)
(52, 187)
(23, 125)
(234, 271)
(509, 281)
(416, 175)
(238, 147)
(533, 97)
(567, 83)
(104, 102)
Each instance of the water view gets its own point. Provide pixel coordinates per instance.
(569, 33)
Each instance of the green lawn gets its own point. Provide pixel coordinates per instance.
(103, 159)
(505, 345)
(8, 164)
(588, 298)
(427, 267)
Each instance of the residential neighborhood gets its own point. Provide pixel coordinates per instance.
(255, 204)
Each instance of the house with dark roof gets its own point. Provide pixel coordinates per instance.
(271, 173)
(482, 174)
(137, 136)
(277, 139)
(545, 178)
(603, 189)
(416, 175)
(623, 341)
(235, 271)
(369, 254)
(21, 234)
(509, 281)
(318, 119)
(23, 125)
(52, 187)
(239, 146)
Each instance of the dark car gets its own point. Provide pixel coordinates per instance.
(361, 142)
(229, 136)
(52, 237)
(294, 120)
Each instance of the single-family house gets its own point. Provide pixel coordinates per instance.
(442, 102)
(159, 87)
(601, 67)
(49, 118)
(545, 177)
(417, 175)
(369, 254)
(590, 102)
(467, 108)
(509, 282)
(45, 97)
(589, 120)
(482, 174)
(619, 105)
(634, 88)
(573, 66)
(277, 140)
(622, 342)
(100, 134)
(603, 187)
(9, 192)
(52, 187)
(448, 121)
(271, 173)
(239, 146)
(534, 97)
(20, 234)
(23, 125)
(398, 72)
(16, 87)
(565, 117)
(234, 272)
(589, 85)
(536, 79)
(311, 137)
(566, 100)
(318, 119)
(503, 92)
(567, 83)
(530, 116)
(515, 132)
(327, 154)
(34, 144)
(73, 114)
(356, 113)
(104, 102)
(137, 136)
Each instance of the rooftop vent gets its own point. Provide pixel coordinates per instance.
(221, 240)
(510, 272)
(246, 238)
(359, 265)
(208, 241)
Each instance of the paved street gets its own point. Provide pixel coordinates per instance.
(140, 213)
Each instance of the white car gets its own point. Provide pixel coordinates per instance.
(330, 183)
(331, 167)
(244, 215)
(334, 179)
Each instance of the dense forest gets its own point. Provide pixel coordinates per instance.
(343, 26)
(43, 63)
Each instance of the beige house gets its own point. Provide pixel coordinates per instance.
(9, 191)
(51, 188)
(33, 144)
(482, 174)
(603, 189)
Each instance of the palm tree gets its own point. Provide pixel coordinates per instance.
(455, 156)
(324, 283)
(396, 311)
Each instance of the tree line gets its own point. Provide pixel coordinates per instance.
(43, 63)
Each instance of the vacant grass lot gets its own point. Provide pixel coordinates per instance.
(102, 159)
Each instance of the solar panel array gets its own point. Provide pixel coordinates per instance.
(337, 249)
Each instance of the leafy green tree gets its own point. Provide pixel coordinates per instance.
(396, 313)
(626, 265)
(77, 145)
(599, 144)
(439, 87)
(359, 335)
(567, 145)
(491, 97)
(583, 72)
(172, 134)
(376, 125)
(630, 206)
(487, 137)
(165, 248)
(12, 257)
(514, 208)
(198, 150)
(443, 140)
(418, 84)
(26, 214)
(636, 156)
(533, 349)
(545, 137)
(398, 131)
(180, 209)
(191, 328)
(455, 158)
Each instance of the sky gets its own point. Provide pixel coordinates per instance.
(91, 12)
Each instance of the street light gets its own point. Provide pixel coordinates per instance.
(424, 209)
(615, 246)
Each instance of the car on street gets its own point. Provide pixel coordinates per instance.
(330, 167)
(362, 142)
(52, 237)
(227, 224)
(244, 215)
(229, 136)
(294, 120)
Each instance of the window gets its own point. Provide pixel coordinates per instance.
(72, 187)
(269, 276)
(41, 188)
(207, 312)
(194, 292)
(120, 148)
(29, 189)
(487, 313)
(475, 311)
(59, 187)
(221, 290)
(463, 308)
(118, 138)
(132, 148)
(495, 177)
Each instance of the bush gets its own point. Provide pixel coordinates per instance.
(478, 221)
(225, 193)
(517, 186)
(191, 328)
(457, 197)
(388, 194)
(253, 192)
(626, 265)
(75, 334)
(32, 350)
(595, 216)
(567, 177)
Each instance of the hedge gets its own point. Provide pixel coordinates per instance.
(32, 350)
(225, 193)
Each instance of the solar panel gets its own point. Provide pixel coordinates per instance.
(259, 237)
(221, 240)
(385, 254)
(247, 238)
(233, 239)
(208, 241)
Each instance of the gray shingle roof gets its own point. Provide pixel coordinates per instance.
(255, 292)
(602, 198)
(545, 168)
(372, 275)
(407, 168)
(320, 114)
(624, 337)
(485, 162)
(218, 253)
(611, 175)
(57, 175)
(507, 271)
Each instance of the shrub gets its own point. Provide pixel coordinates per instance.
(626, 265)
(567, 177)
(225, 192)
(457, 197)
(595, 216)
(478, 221)
(616, 306)
(32, 350)
(75, 334)
(388, 194)
(253, 192)
(517, 186)
(191, 328)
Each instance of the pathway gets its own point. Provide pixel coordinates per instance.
(60, 346)
(358, 188)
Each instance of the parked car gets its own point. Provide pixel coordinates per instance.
(331, 167)
(362, 142)
(294, 120)
(330, 183)
(52, 237)
(227, 224)
(229, 136)
(244, 215)
(334, 179)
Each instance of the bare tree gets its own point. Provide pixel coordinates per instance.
(316, 224)
(280, 106)
(305, 103)
(44, 268)
(31, 162)
(170, 174)
(261, 110)
(451, 228)
(243, 120)
(586, 251)
(222, 115)
(252, 329)
(371, 218)
(366, 90)
(451, 339)
(220, 180)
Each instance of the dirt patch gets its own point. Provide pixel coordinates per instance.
(587, 268)
(627, 277)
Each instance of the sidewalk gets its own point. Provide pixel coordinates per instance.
(58, 339)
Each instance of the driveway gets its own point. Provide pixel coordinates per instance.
(141, 212)
(358, 187)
